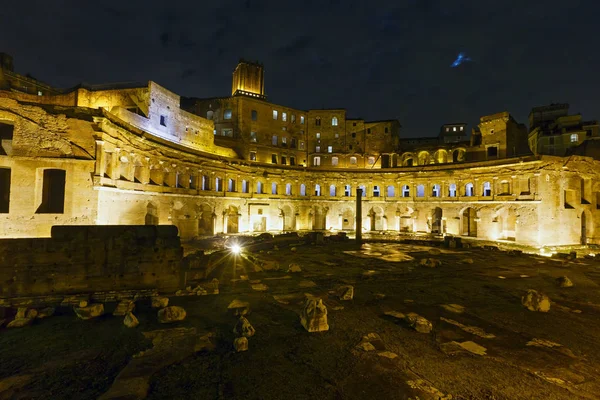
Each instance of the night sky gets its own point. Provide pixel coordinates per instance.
(379, 60)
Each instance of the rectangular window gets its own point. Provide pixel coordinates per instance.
(163, 120)
(317, 149)
(330, 149)
(53, 192)
(317, 161)
(386, 129)
(274, 140)
(353, 160)
(371, 160)
(369, 130)
(274, 158)
(302, 119)
(574, 138)
(492, 151)
(284, 117)
(227, 132)
(292, 160)
(293, 118)
(254, 115)
(273, 188)
(6, 139)
(318, 135)
(283, 160)
(376, 191)
(301, 145)
(347, 190)
(293, 143)
(337, 135)
(253, 137)
(245, 186)
(334, 161)
(227, 114)
(4, 190)
(275, 114)
(231, 185)
(218, 184)
(252, 156)
(284, 141)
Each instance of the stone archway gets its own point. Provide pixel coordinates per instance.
(233, 220)
(151, 217)
(288, 219)
(206, 220)
(319, 217)
(469, 222)
(376, 219)
(436, 221)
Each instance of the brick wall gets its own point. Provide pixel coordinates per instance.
(86, 259)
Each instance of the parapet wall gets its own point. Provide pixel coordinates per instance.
(88, 258)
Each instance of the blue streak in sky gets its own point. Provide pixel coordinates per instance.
(462, 57)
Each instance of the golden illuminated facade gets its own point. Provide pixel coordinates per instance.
(131, 155)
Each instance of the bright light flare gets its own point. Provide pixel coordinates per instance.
(236, 249)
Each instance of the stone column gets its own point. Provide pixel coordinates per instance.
(358, 215)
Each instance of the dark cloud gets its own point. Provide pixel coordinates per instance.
(379, 59)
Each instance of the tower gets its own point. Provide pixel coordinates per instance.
(249, 80)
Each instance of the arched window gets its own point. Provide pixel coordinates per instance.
(487, 189)
(405, 191)
(421, 191)
(332, 191)
(318, 121)
(273, 188)
(317, 190)
(469, 189)
(505, 187)
(391, 191)
(209, 115)
(244, 186)
(334, 121)
(303, 190)
(288, 189)
(259, 187)
(452, 190)
(435, 190)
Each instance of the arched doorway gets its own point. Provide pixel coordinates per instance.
(288, 219)
(436, 221)
(319, 218)
(151, 214)
(233, 219)
(347, 219)
(469, 222)
(376, 219)
(184, 220)
(206, 224)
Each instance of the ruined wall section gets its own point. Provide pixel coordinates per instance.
(85, 259)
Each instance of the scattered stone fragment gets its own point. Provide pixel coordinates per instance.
(418, 323)
(45, 312)
(564, 282)
(524, 276)
(434, 251)
(577, 311)
(345, 292)
(89, 312)
(270, 266)
(130, 320)
(369, 274)
(159, 302)
(240, 344)
(387, 354)
(239, 307)
(293, 249)
(244, 277)
(413, 320)
(470, 329)
(474, 348)
(254, 281)
(293, 267)
(424, 386)
(23, 318)
(179, 293)
(379, 296)
(454, 308)
(430, 262)
(408, 301)
(314, 315)
(260, 287)
(535, 301)
(83, 303)
(306, 284)
(467, 261)
(171, 314)
(501, 277)
(124, 307)
(543, 343)
(243, 328)
(365, 346)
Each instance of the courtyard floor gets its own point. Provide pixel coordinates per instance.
(484, 344)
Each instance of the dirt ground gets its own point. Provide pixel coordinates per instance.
(518, 354)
